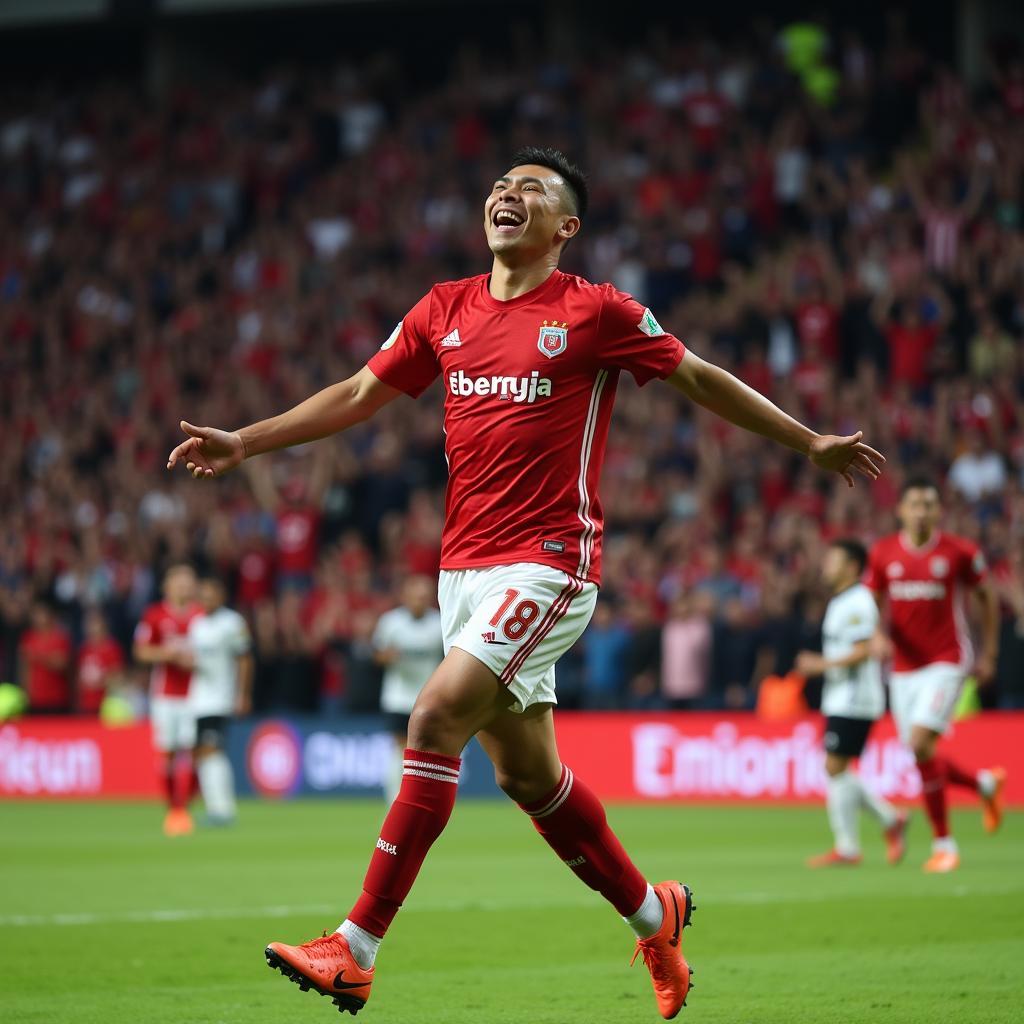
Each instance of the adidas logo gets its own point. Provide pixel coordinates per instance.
(451, 340)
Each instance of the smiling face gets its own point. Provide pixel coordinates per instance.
(529, 213)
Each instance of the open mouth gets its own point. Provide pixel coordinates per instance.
(507, 221)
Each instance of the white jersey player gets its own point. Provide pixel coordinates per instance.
(852, 701)
(409, 644)
(221, 686)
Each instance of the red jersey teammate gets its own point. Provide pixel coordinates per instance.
(529, 358)
(922, 573)
(161, 640)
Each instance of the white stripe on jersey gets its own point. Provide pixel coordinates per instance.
(589, 429)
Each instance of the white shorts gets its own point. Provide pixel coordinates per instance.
(926, 696)
(518, 620)
(174, 723)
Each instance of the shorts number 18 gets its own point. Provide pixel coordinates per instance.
(522, 617)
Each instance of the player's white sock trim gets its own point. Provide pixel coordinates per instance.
(647, 920)
(877, 805)
(947, 844)
(364, 944)
(986, 782)
(217, 784)
(843, 802)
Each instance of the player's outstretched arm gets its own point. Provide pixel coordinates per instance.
(723, 394)
(211, 452)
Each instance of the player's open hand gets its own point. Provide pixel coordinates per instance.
(846, 456)
(208, 452)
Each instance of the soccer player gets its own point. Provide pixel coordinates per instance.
(221, 687)
(161, 640)
(409, 645)
(529, 358)
(921, 574)
(852, 700)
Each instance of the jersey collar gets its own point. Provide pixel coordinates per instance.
(542, 291)
(924, 548)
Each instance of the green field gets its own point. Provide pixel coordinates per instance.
(103, 920)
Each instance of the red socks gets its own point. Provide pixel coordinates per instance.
(573, 823)
(933, 792)
(417, 817)
(956, 776)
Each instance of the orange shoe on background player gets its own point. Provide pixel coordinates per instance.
(992, 803)
(833, 859)
(327, 965)
(896, 839)
(662, 952)
(178, 822)
(941, 862)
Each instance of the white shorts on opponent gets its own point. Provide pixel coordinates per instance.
(518, 620)
(174, 723)
(926, 696)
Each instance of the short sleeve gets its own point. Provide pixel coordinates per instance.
(146, 631)
(874, 578)
(240, 642)
(630, 338)
(973, 568)
(407, 360)
(861, 619)
(381, 638)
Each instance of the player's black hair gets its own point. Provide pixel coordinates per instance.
(919, 481)
(574, 178)
(854, 550)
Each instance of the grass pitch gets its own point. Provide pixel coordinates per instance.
(103, 920)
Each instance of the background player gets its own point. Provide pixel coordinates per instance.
(852, 700)
(409, 645)
(161, 640)
(221, 687)
(530, 358)
(921, 573)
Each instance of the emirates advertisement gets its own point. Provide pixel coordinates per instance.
(700, 756)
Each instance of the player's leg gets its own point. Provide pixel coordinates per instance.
(165, 727)
(987, 783)
(842, 802)
(460, 698)
(571, 820)
(216, 779)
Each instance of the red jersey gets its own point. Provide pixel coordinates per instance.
(48, 688)
(529, 387)
(96, 661)
(925, 588)
(297, 532)
(163, 624)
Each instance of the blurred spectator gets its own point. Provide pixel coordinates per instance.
(686, 650)
(606, 644)
(45, 651)
(101, 664)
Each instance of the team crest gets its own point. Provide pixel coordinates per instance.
(894, 570)
(939, 566)
(553, 338)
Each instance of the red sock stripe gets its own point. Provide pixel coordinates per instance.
(561, 794)
(561, 605)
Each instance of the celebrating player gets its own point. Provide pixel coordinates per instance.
(852, 700)
(221, 687)
(921, 574)
(530, 358)
(161, 640)
(408, 644)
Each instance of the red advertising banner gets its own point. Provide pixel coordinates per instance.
(718, 757)
(75, 757)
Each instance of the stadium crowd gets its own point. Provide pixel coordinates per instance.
(837, 223)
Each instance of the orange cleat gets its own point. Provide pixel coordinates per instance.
(992, 805)
(833, 859)
(178, 822)
(326, 965)
(896, 839)
(942, 862)
(662, 952)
